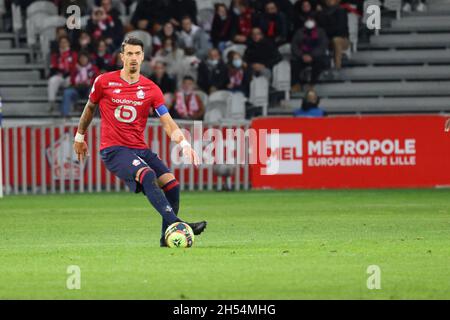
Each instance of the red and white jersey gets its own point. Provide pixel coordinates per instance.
(124, 108)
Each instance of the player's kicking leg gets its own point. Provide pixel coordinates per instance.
(169, 186)
(126, 164)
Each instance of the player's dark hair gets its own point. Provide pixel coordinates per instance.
(131, 41)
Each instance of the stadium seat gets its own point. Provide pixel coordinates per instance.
(240, 48)
(203, 96)
(281, 79)
(394, 5)
(236, 110)
(436, 40)
(353, 27)
(285, 51)
(46, 31)
(400, 57)
(36, 13)
(259, 93)
(222, 96)
(145, 37)
(205, 18)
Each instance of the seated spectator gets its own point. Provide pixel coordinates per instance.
(168, 31)
(84, 43)
(81, 80)
(149, 13)
(303, 9)
(261, 54)
(102, 58)
(165, 82)
(61, 65)
(310, 106)
(274, 24)
(221, 27)
(188, 105)
(181, 8)
(171, 56)
(54, 44)
(333, 19)
(212, 73)
(192, 36)
(102, 25)
(242, 21)
(238, 74)
(309, 51)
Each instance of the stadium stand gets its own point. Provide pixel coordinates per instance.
(405, 67)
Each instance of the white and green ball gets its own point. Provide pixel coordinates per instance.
(179, 235)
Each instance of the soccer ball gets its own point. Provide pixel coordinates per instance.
(179, 235)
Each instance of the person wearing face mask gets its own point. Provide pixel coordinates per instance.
(212, 73)
(221, 27)
(274, 24)
(309, 47)
(310, 106)
(238, 74)
(188, 105)
(303, 9)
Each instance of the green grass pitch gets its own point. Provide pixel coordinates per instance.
(258, 245)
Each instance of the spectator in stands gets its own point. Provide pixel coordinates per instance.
(274, 24)
(84, 43)
(171, 56)
(310, 106)
(309, 52)
(303, 9)
(192, 36)
(242, 21)
(261, 54)
(61, 65)
(168, 31)
(334, 20)
(166, 83)
(148, 13)
(181, 8)
(81, 79)
(212, 73)
(188, 105)
(102, 25)
(102, 58)
(54, 44)
(238, 74)
(221, 27)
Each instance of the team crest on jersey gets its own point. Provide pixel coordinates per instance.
(140, 94)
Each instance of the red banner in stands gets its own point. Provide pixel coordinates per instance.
(352, 152)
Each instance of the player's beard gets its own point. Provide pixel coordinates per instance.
(133, 69)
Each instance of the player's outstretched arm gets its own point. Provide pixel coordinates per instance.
(447, 125)
(176, 135)
(80, 146)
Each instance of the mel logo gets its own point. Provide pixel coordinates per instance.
(285, 152)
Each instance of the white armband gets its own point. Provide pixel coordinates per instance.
(79, 138)
(184, 143)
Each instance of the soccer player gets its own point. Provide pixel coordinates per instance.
(126, 99)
